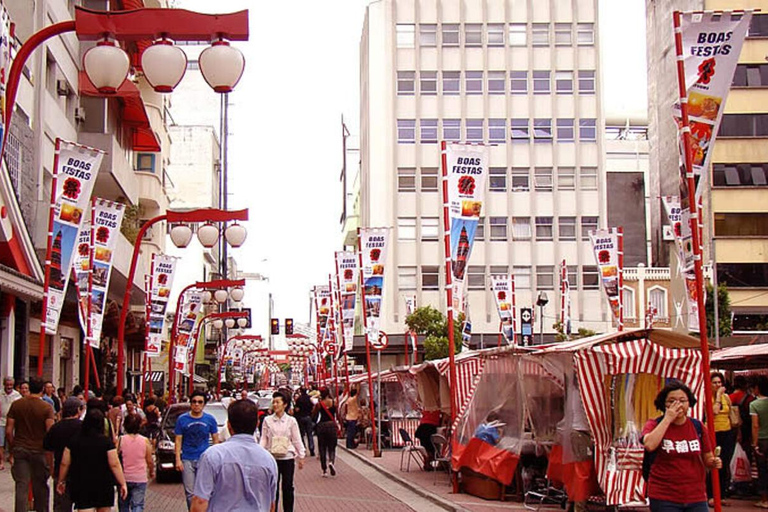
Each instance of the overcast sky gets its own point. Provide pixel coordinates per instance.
(301, 76)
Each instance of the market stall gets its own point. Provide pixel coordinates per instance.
(744, 357)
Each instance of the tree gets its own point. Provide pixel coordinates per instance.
(431, 323)
(723, 311)
(562, 336)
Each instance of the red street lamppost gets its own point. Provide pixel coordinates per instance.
(240, 340)
(107, 65)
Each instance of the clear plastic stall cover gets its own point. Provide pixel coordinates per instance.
(395, 403)
(543, 381)
(410, 386)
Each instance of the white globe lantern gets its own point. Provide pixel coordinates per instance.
(207, 296)
(235, 235)
(181, 235)
(208, 234)
(229, 322)
(220, 295)
(164, 65)
(106, 65)
(218, 323)
(242, 322)
(222, 66)
(236, 294)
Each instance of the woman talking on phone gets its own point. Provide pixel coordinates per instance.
(681, 453)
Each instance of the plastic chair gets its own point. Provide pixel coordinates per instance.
(442, 455)
(410, 451)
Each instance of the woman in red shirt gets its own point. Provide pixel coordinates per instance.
(677, 481)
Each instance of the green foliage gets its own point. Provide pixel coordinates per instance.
(131, 223)
(429, 322)
(723, 311)
(562, 336)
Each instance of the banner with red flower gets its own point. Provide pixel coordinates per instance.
(503, 288)
(322, 296)
(605, 245)
(684, 245)
(465, 175)
(373, 252)
(107, 218)
(74, 175)
(347, 268)
(163, 269)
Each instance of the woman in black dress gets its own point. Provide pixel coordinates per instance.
(90, 467)
(326, 430)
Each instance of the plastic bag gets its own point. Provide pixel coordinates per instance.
(740, 467)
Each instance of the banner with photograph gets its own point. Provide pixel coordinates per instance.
(347, 270)
(684, 245)
(503, 288)
(5, 63)
(373, 252)
(74, 176)
(180, 361)
(322, 310)
(466, 171)
(605, 245)
(82, 268)
(565, 300)
(410, 304)
(163, 269)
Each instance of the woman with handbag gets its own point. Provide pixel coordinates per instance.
(281, 437)
(327, 431)
(725, 434)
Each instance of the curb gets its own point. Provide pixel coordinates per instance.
(434, 498)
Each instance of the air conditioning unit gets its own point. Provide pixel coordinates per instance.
(62, 87)
(667, 234)
(80, 114)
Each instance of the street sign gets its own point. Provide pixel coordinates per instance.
(382, 342)
(526, 326)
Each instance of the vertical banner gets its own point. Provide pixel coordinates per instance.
(410, 304)
(605, 245)
(163, 268)
(82, 269)
(107, 218)
(5, 63)
(526, 327)
(467, 168)
(373, 255)
(323, 309)
(152, 349)
(190, 317)
(565, 299)
(503, 293)
(74, 175)
(347, 277)
(685, 255)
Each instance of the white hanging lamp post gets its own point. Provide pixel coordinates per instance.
(106, 65)
(164, 65)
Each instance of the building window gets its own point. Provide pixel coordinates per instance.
(759, 25)
(521, 228)
(628, 303)
(588, 224)
(496, 82)
(428, 131)
(740, 175)
(541, 82)
(406, 83)
(572, 275)
(452, 130)
(495, 34)
(517, 34)
(588, 178)
(753, 224)
(406, 131)
(451, 83)
(475, 130)
(743, 275)
(473, 34)
(522, 277)
(586, 82)
(518, 82)
(566, 227)
(474, 82)
(405, 34)
(744, 125)
(564, 82)
(476, 277)
(497, 179)
(540, 34)
(480, 230)
(145, 162)
(428, 83)
(430, 230)
(587, 130)
(406, 278)
(519, 129)
(565, 130)
(498, 229)
(545, 277)
(497, 131)
(657, 297)
(542, 179)
(13, 159)
(590, 280)
(499, 270)
(585, 33)
(429, 179)
(406, 179)
(428, 34)
(521, 179)
(563, 35)
(542, 130)
(450, 34)
(751, 75)
(406, 229)
(544, 228)
(430, 277)
(566, 178)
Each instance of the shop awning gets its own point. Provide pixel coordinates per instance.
(18, 284)
(742, 357)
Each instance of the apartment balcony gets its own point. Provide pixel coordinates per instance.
(349, 230)
(116, 178)
(152, 194)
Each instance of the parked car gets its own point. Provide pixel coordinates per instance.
(166, 450)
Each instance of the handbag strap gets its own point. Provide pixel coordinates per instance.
(322, 404)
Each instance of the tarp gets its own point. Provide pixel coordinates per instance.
(741, 358)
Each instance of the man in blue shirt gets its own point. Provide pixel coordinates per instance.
(239, 475)
(192, 432)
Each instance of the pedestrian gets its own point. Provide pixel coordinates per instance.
(151, 428)
(90, 466)
(62, 393)
(193, 429)
(678, 445)
(352, 416)
(725, 434)
(281, 437)
(741, 397)
(7, 396)
(138, 468)
(225, 398)
(327, 431)
(24, 388)
(57, 439)
(49, 395)
(758, 409)
(130, 406)
(302, 411)
(238, 474)
(29, 418)
(430, 421)
(115, 413)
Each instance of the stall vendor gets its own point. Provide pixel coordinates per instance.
(430, 421)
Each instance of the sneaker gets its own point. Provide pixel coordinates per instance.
(333, 469)
(311, 454)
(325, 475)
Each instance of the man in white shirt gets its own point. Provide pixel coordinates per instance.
(7, 396)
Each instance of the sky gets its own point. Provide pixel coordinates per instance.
(301, 76)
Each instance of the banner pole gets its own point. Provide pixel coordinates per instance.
(620, 238)
(378, 392)
(48, 255)
(341, 314)
(514, 310)
(563, 277)
(695, 233)
(147, 310)
(374, 427)
(501, 325)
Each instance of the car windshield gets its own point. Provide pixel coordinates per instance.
(218, 411)
(173, 415)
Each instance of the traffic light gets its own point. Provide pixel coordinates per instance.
(288, 326)
(275, 326)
